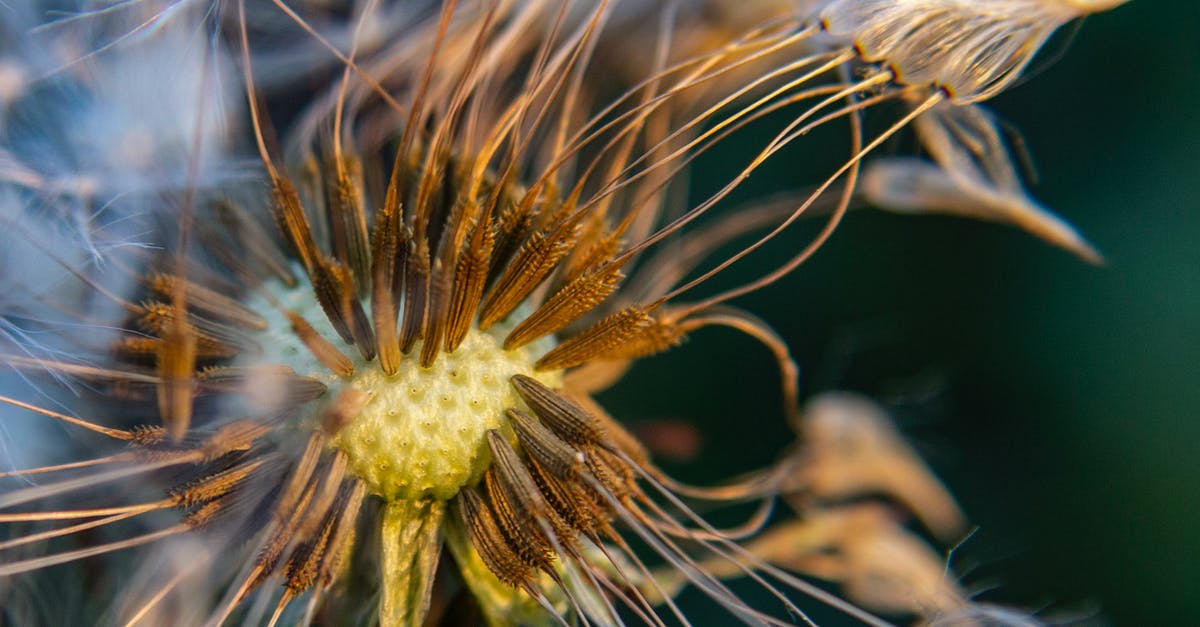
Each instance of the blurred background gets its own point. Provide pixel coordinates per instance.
(1058, 400)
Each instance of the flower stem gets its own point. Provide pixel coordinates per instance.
(412, 539)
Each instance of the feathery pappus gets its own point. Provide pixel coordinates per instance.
(307, 303)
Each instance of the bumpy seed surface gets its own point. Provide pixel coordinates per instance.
(423, 431)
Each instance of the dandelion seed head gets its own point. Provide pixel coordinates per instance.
(421, 432)
(383, 400)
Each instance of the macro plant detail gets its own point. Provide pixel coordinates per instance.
(351, 379)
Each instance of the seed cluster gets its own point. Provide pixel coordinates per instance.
(421, 433)
(402, 364)
(568, 484)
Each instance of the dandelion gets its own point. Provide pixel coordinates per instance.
(365, 393)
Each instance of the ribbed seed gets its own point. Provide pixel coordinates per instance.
(470, 280)
(566, 419)
(289, 216)
(575, 299)
(536, 259)
(387, 275)
(599, 340)
(489, 541)
(321, 348)
(213, 486)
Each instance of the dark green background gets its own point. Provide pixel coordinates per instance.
(1057, 399)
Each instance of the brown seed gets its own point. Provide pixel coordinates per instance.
(334, 288)
(321, 348)
(208, 302)
(387, 275)
(176, 386)
(536, 259)
(416, 292)
(347, 220)
(293, 223)
(489, 541)
(523, 493)
(566, 419)
(575, 299)
(214, 486)
(598, 341)
(470, 280)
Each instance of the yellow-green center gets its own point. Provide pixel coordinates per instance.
(422, 432)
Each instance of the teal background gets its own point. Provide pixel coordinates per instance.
(1058, 400)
